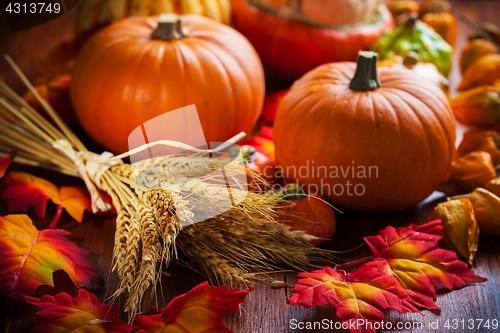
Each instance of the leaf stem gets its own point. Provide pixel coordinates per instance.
(53, 224)
(354, 262)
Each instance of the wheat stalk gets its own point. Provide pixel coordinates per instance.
(242, 242)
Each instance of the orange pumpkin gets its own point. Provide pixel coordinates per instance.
(293, 37)
(137, 69)
(368, 143)
(308, 213)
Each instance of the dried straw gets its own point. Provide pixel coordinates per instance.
(241, 243)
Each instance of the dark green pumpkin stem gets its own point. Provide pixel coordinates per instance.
(365, 78)
(170, 26)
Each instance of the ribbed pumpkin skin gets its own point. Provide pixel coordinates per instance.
(123, 78)
(91, 14)
(291, 48)
(405, 128)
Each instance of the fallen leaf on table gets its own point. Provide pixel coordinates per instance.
(468, 172)
(481, 140)
(361, 295)
(406, 267)
(22, 191)
(63, 313)
(200, 310)
(5, 162)
(29, 256)
(487, 210)
(460, 228)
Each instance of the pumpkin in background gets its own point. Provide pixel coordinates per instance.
(137, 69)
(436, 14)
(410, 61)
(414, 35)
(91, 15)
(293, 37)
(399, 125)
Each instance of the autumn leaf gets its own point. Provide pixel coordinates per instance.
(63, 313)
(405, 268)
(6, 161)
(360, 296)
(201, 310)
(22, 191)
(28, 257)
(263, 143)
(271, 103)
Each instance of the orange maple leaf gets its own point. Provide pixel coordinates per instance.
(22, 190)
(63, 313)
(200, 310)
(404, 270)
(29, 256)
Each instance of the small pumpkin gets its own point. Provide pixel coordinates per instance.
(414, 35)
(478, 106)
(436, 14)
(293, 37)
(483, 71)
(410, 61)
(309, 213)
(345, 117)
(137, 69)
(474, 50)
(91, 15)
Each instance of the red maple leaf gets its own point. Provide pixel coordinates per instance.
(28, 257)
(22, 190)
(6, 161)
(63, 313)
(406, 267)
(201, 310)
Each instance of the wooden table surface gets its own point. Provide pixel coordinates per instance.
(266, 310)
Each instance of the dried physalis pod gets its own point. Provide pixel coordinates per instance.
(481, 140)
(468, 172)
(487, 210)
(494, 186)
(474, 50)
(478, 106)
(460, 229)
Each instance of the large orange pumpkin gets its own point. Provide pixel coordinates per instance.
(293, 37)
(132, 71)
(368, 143)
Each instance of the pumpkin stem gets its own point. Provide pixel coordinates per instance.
(365, 78)
(411, 59)
(170, 26)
